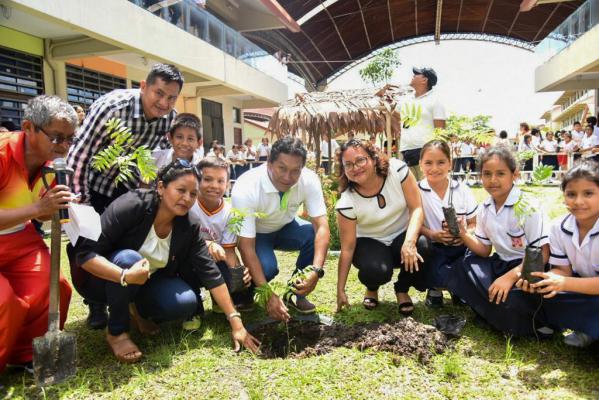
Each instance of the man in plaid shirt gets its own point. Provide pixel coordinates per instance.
(148, 112)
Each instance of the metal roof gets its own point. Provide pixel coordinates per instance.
(336, 33)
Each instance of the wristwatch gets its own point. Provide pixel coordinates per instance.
(319, 271)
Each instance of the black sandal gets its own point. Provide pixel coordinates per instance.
(370, 303)
(406, 308)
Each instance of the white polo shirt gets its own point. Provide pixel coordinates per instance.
(164, 157)
(383, 216)
(577, 135)
(502, 230)
(254, 192)
(416, 136)
(588, 142)
(549, 146)
(566, 248)
(463, 201)
(466, 149)
(213, 225)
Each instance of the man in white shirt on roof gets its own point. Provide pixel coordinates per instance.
(276, 190)
(432, 116)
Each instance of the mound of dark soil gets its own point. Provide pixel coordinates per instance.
(303, 339)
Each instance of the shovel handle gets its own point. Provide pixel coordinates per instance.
(55, 243)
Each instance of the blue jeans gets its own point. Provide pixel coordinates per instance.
(296, 235)
(160, 299)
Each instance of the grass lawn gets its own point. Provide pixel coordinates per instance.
(178, 364)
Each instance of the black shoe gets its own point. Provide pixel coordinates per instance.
(434, 299)
(98, 316)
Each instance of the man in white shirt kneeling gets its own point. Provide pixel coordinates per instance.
(275, 191)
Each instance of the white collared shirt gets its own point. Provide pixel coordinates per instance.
(566, 248)
(463, 201)
(577, 135)
(466, 149)
(588, 142)
(383, 216)
(416, 136)
(503, 230)
(549, 146)
(254, 192)
(213, 224)
(164, 157)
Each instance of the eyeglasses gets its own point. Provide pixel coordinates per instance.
(359, 163)
(57, 139)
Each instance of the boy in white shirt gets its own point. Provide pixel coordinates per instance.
(214, 214)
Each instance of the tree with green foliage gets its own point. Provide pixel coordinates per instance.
(476, 128)
(380, 69)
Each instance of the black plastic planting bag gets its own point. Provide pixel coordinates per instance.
(533, 262)
(237, 284)
(450, 325)
(451, 219)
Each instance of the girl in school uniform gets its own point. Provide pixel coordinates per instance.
(508, 222)
(571, 287)
(436, 191)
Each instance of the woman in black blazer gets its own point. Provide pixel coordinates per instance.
(151, 256)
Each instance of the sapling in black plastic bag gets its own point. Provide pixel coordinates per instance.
(451, 219)
(533, 262)
(450, 215)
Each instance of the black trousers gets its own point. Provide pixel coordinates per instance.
(376, 263)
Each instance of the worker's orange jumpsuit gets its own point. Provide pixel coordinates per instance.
(24, 261)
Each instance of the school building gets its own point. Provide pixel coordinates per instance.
(573, 67)
(80, 50)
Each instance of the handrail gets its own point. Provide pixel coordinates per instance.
(194, 19)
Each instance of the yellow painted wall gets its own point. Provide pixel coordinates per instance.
(21, 41)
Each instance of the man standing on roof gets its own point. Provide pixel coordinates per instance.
(432, 116)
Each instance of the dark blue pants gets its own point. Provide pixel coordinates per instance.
(376, 263)
(160, 299)
(575, 311)
(471, 283)
(439, 263)
(296, 235)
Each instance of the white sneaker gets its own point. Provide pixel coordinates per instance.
(578, 339)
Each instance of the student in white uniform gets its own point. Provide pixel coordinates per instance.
(379, 215)
(571, 287)
(324, 151)
(277, 190)
(549, 145)
(486, 283)
(437, 190)
(589, 146)
(185, 138)
(263, 150)
(213, 214)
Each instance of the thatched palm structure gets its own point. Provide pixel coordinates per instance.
(336, 113)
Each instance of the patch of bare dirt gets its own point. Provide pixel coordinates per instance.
(406, 337)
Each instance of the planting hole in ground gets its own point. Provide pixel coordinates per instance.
(303, 339)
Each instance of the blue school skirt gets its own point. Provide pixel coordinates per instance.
(439, 262)
(471, 283)
(576, 311)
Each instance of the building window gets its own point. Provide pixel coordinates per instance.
(21, 78)
(134, 85)
(236, 115)
(84, 85)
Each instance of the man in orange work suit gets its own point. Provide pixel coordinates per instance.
(48, 130)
